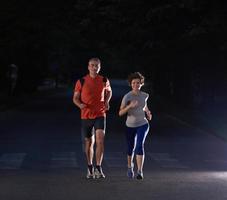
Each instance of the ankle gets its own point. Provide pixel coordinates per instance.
(131, 166)
(139, 172)
(98, 167)
(90, 167)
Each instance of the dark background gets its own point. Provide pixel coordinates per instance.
(179, 45)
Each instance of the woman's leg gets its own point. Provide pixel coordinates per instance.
(140, 154)
(130, 138)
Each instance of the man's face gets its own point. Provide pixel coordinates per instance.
(94, 67)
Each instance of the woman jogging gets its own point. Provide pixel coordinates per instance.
(134, 103)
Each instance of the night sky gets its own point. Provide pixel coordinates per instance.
(179, 44)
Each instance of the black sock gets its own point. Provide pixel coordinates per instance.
(90, 167)
(98, 167)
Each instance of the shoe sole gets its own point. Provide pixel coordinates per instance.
(90, 177)
(130, 175)
(139, 178)
(99, 177)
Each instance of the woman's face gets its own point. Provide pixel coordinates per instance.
(136, 84)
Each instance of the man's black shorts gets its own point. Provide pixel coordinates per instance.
(87, 126)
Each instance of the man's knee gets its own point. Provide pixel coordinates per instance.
(89, 141)
(99, 141)
(99, 134)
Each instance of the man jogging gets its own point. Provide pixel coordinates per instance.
(92, 95)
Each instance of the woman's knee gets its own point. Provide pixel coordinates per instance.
(139, 149)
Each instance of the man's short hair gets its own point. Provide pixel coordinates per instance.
(95, 59)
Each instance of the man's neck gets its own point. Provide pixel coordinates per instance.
(93, 75)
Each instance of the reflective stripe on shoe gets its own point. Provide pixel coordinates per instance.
(139, 175)
(90, 175)
(99, 174)
(130, 173)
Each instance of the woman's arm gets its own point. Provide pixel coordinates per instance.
(124, 109)
(148, 113)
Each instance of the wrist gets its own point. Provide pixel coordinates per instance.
(128, 107)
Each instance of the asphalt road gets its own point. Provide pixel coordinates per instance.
(41, 156)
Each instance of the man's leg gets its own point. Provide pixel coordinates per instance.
(89, 140)
(99, 137)
(100, 125)
(89, 149)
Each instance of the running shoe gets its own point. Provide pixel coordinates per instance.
(90, 173)
(139, 175)
(99, 173)
(130, 172)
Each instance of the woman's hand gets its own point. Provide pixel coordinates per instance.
(149, 115)
(124, 109)
(133, 103)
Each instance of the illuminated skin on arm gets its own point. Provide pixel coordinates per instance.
(125, 109)
(148, 113)
(76, 100)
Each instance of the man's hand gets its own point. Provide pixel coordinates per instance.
(107, 105)
(81, 106)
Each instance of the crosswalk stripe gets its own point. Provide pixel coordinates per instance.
(11, 160)
(69, 160)
(115, 160)
(216, 161)
(159, 156)
(166, 161)
(64, 160)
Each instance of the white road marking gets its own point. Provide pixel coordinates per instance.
(166, 161)
(11, 160)
(115, 159)
(64, 160)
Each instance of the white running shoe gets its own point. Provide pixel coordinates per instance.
(99, 173)
(90, 174)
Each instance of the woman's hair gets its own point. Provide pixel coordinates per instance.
(136, 75)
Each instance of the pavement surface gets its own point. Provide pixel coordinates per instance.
(41, 155)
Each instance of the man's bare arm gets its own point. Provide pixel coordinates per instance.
(108, 96)
(77, 101)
